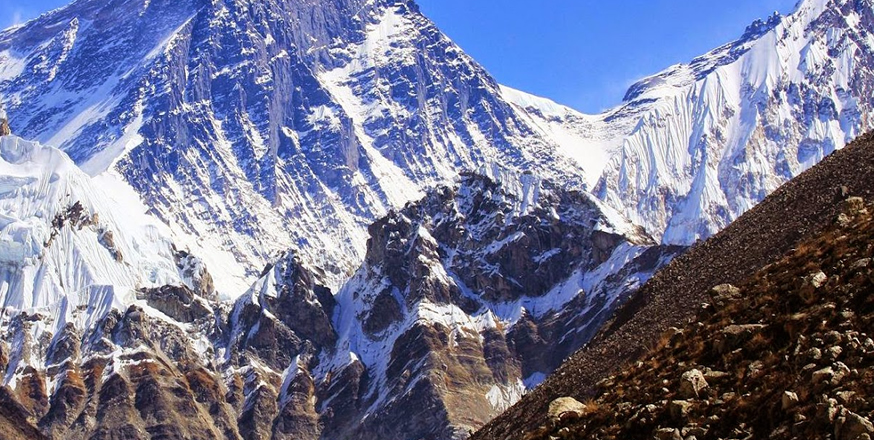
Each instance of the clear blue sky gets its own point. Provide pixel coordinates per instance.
(586, 53)
(582, 53)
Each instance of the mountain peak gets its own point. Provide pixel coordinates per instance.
(704, 123)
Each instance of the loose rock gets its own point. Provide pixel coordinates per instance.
(692, 383)
(789, 399)
(563, 405)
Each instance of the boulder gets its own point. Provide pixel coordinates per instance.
(851, 426)
(564, 405)
(723, 294)
(821, 375)
(673, 336)
(854, 205)
(713, 377)
(807, 293)
(679, 409)
(692, 384)
(734, 336)
(667, 434)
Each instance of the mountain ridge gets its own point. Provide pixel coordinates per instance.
(390, 116)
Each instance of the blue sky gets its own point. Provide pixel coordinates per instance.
(586, 53)
(582, 53)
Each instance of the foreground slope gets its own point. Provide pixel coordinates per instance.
(787, 353)
(675, 294)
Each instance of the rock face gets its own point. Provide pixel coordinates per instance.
(4, 127)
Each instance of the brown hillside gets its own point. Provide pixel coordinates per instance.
(789, 354)
(801, 208)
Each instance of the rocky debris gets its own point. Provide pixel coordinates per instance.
(802, 353)
(4, 127)
(680, 292)
(789, 400)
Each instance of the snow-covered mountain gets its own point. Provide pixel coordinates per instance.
(67, 243)
(306, 219)
(276, 124)
(464, 299)
(286, 124)
(697, 145)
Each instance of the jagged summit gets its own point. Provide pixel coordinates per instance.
(712, 138)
